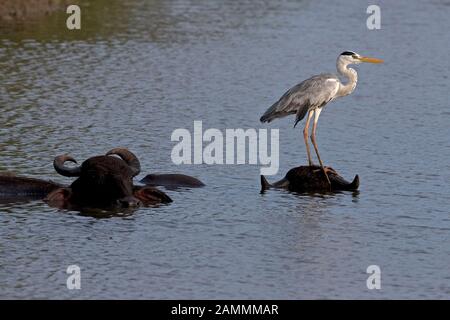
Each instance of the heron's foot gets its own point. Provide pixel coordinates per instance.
(326, 170)
(328, 179)
(329, 170)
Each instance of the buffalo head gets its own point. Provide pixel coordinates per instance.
(104, 181)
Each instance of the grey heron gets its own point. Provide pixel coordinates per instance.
(310, 96)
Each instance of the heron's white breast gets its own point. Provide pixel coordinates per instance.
(336, 87)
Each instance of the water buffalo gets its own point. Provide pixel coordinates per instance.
(103, 181)
(311, 179)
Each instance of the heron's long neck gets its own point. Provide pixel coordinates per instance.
(352, 77)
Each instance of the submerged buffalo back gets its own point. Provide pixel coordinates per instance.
(306, 178)
(312, 179)
(172, 180)
(11, 186)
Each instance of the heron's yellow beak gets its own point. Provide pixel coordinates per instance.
(371, 60)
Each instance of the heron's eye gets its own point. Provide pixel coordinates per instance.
(354, 56)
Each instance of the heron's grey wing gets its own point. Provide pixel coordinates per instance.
(283, 106)
(307, 95)
(316, 93)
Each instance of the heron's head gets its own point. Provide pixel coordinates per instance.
(350, 57)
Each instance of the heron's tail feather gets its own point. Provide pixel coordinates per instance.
(282, 109)
(267, 117)
(271, 114)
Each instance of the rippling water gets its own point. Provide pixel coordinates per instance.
(140, 69)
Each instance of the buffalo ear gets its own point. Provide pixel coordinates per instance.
(59, 197)
(151, 195)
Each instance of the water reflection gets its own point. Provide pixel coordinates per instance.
(157, 21)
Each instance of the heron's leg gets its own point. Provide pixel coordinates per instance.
(305, 136)
(313, 139)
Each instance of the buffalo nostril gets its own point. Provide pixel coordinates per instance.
(129, 203)
(135, 203)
